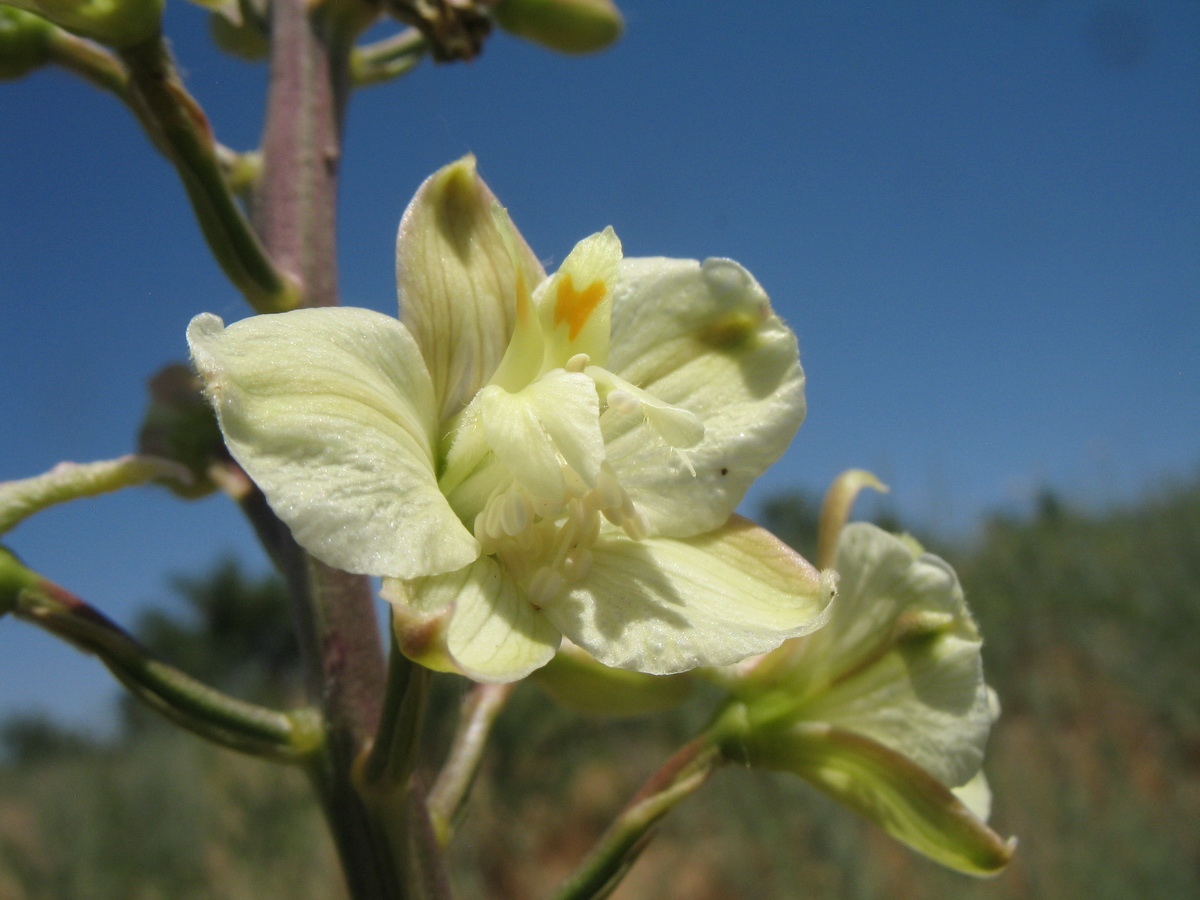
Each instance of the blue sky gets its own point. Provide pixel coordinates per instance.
(981, 219)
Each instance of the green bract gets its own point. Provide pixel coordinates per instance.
(523, 457)
(885, 708)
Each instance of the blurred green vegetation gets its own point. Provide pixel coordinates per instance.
(1090, 619)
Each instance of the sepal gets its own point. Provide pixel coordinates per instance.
(579, 682)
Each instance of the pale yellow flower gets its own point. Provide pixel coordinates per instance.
(523, 457)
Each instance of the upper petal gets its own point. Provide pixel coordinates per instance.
(575, 303)
(331, 412)
(462, 270)
(700, 337)
(662, 605)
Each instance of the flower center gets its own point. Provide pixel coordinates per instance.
(526, 471)
(545, 553)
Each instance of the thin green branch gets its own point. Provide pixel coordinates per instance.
(105, 70)
(90, 62)
(178, 127)
(288, 737)
(69, 481)
(480, 708)
(630, 833)
(428, 878)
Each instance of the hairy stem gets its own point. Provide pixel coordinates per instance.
(294, 206)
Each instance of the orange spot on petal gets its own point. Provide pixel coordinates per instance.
(575, 307)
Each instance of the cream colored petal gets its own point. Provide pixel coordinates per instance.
(926, 701)
(535, 431)
(515, 433)
(663, 606)
(575, 304)
(976, 795)
(886, 596)
(899, 661)
(913, 806)
(330, 411)
(460, 279)
(578, 682)
(700, 337)
(475, 621)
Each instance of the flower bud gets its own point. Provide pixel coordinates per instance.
(885, 708)
(179, 425)
(117, 23)
(569, 26)
(24, 42)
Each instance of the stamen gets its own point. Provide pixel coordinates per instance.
(608, 493)
(573, 482)
(589, 530)
(635, 523)
(545, 507)
(514, 513)
(578, 362)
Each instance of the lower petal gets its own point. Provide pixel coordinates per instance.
(474, 621)
(663, 606)
(886, 787)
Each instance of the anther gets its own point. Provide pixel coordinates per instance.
(609, 493)
(579, 563)
(623, 402)
(544, 587)
(578, 362)
(514, 513)
(635, 523)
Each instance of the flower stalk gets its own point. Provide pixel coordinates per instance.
(619, 846)
(480, 708)
(178, 126)
(294, 206)
(292, 737)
